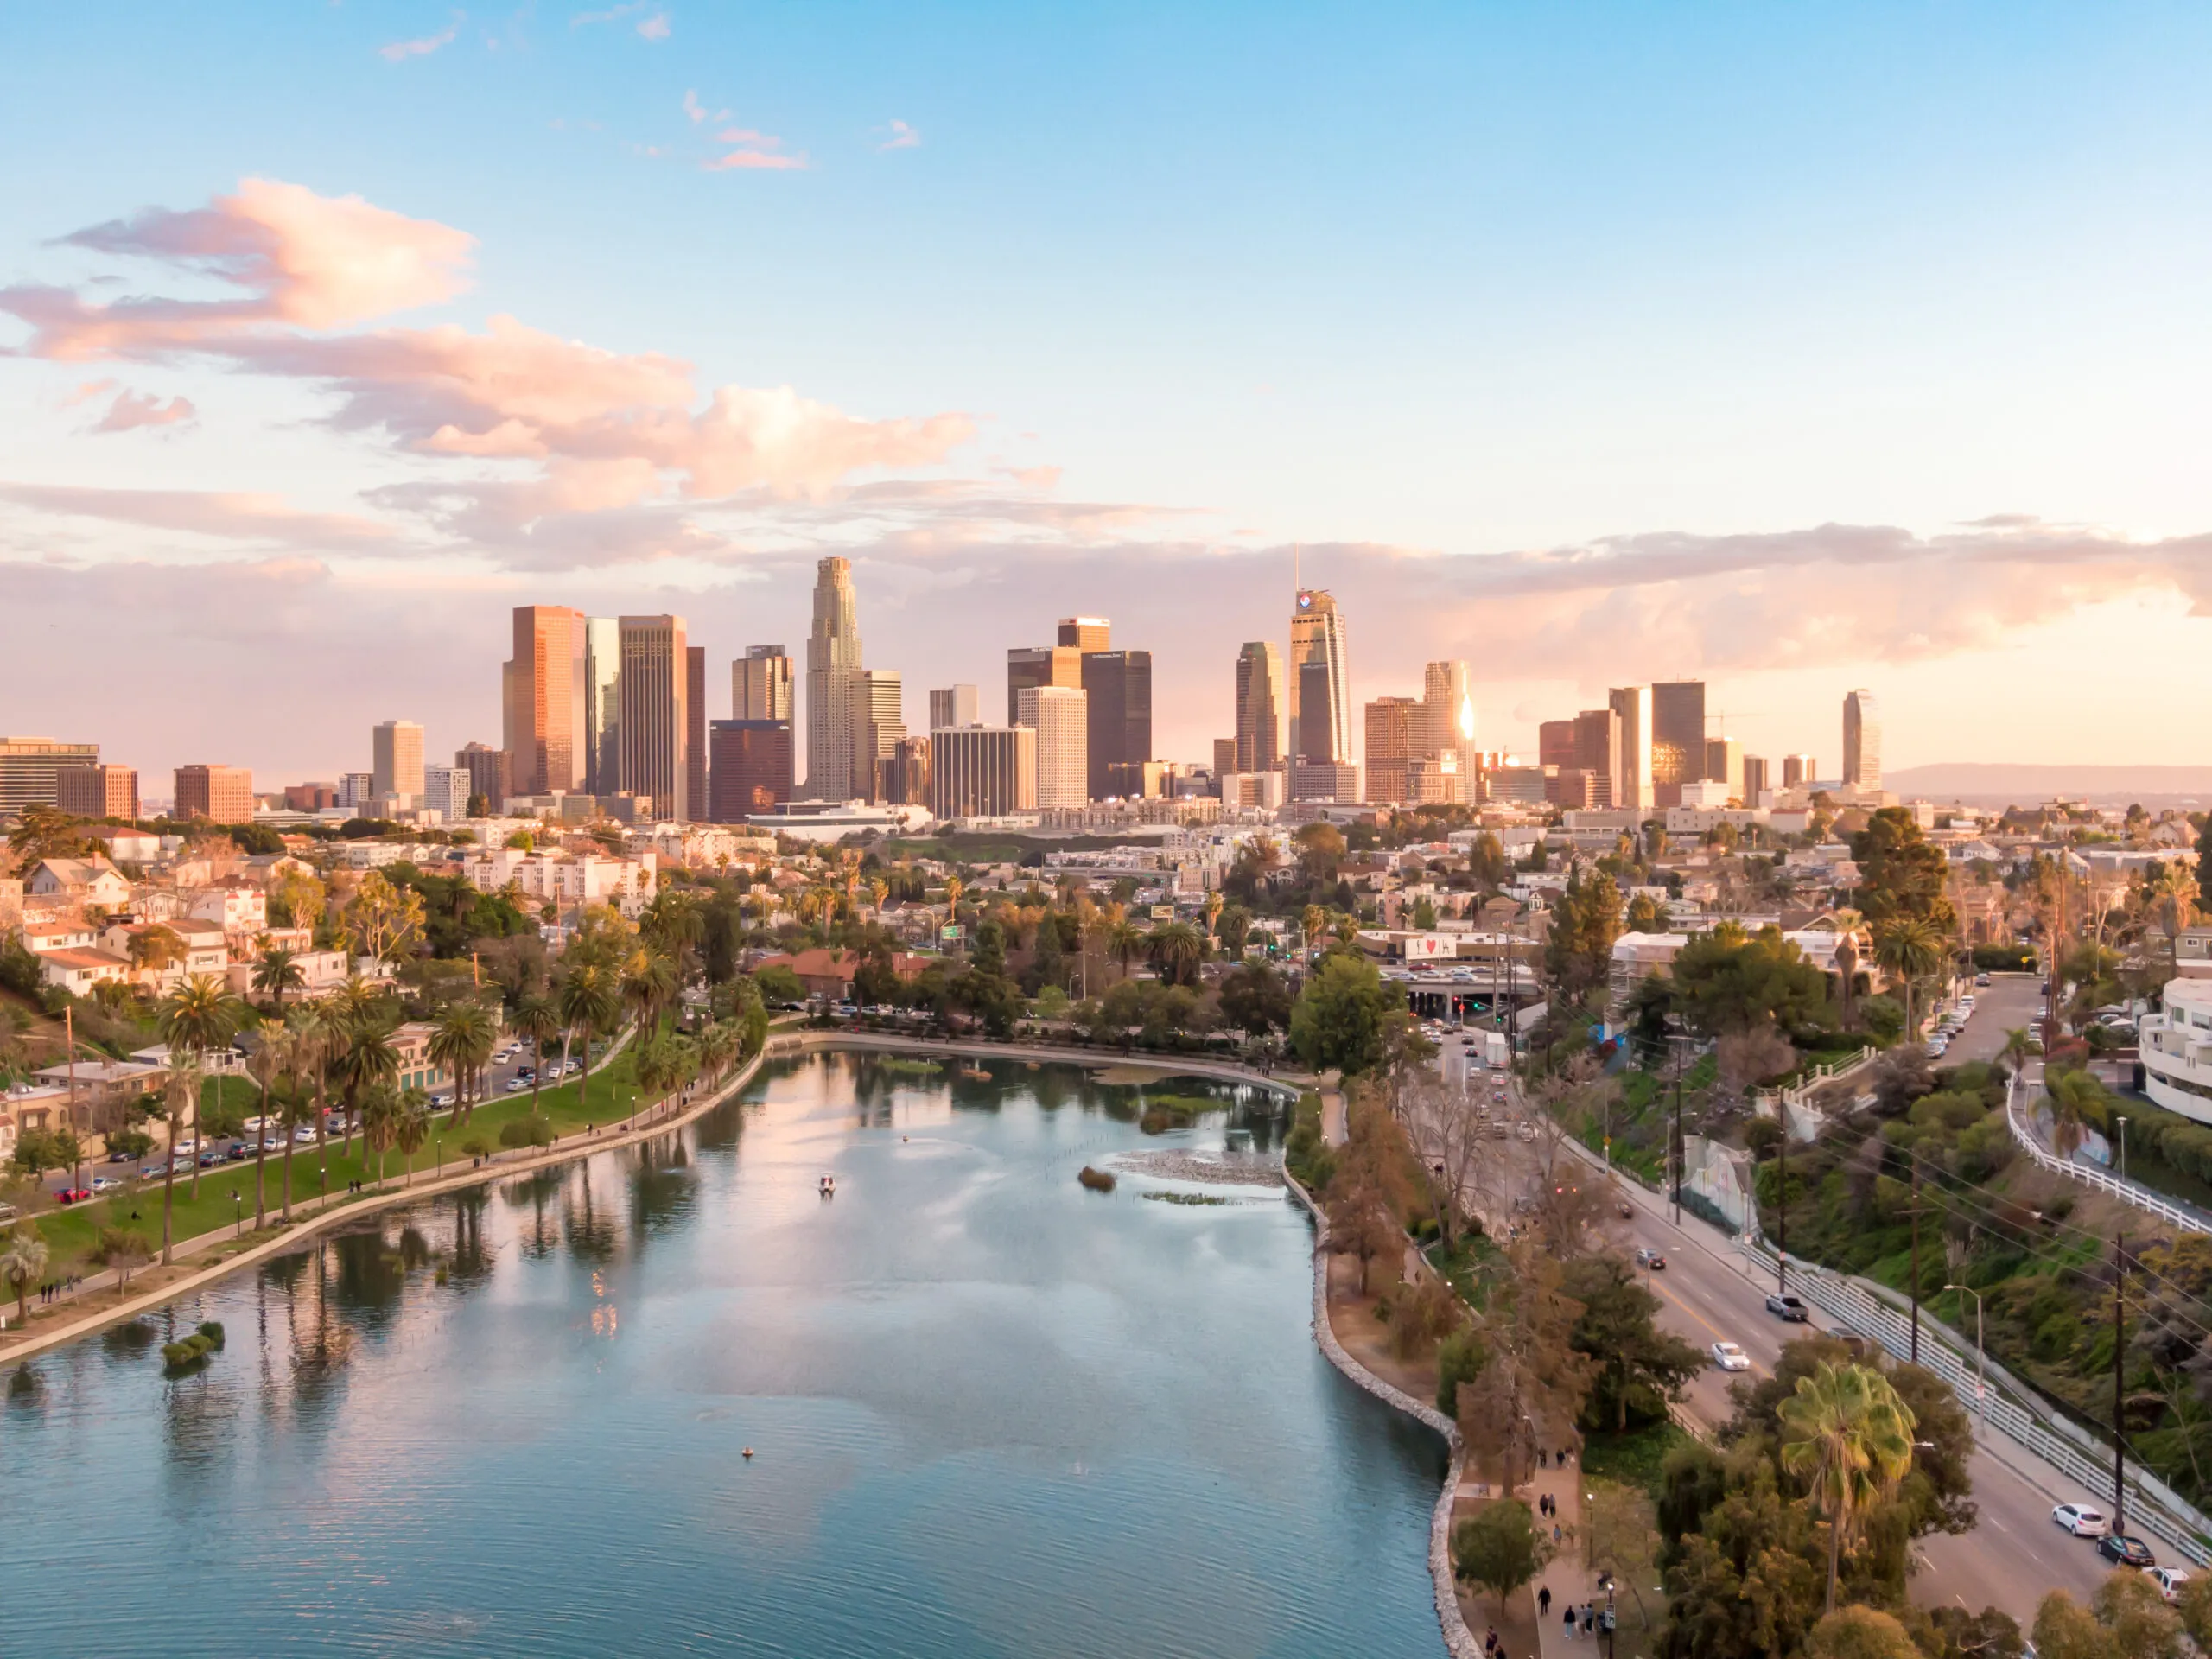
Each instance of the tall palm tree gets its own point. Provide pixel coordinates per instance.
(1212, 909)
(589, 1001)
(1125, 943)
(180, 1097)
(381, 1111)
(463, 1042)
(2015, 1050)
(878, 891)
(536, 1018)
(1909, 948)
(1311, 923)
(22, 1264)
(275, 971)
(671, 921)
(270, 1060)
(1176, 949)
(718, 1046)
(410, 1130)
(1846, 923)
(318, 1036)
(1848, 1436)
(199, 1017)
(368, 1059)
(2077, 1104)
(649, 987)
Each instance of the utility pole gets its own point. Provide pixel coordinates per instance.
(1674, 1141)
(1782, 1200)
(2118, 1363)
(1914, 1157)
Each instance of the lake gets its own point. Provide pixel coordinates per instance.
(993, 1413)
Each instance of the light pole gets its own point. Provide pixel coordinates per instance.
(238, 1214)
(2123, 1145)
(1980, 1390)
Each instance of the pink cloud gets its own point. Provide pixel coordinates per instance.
(130, 410)
(400, 50)
(902, 138)
(231, 515)
(655, 28)
(764, 160)
(699, 113)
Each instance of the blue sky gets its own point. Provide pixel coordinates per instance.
(1596, 287)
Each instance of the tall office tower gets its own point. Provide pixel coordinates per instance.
(395, 758)
(1754, 781)
(906, 773)
(28, 766)
(761, 685)
(750, 767)
(1086, 632)
(96, 792)
(1723, 764)
(356, 789)
(1448, 718)
(1630, 706)
(1798, 769)
(487, 772)
(695, 733)
(655, 690)
(1118, 685)
(219, 794)
(540, 699)
(1028, 666)
(1260, 708)
(1555, 744)
(880, 716)
(1224, 756)
(984, 772)
(1677, 739)
(1862, 740)
(1061, 719)
(601, 736)
(1394, 729)
(1320, 709)
(955, 705)
(833, 668)
(1597, 752)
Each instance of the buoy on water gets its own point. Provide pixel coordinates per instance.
(748, 1454)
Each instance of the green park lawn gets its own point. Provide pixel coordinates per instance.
(70, 1234)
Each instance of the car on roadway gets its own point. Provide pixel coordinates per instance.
(2170, 1581)
(1729, 1357)
(1627, 1209)
(2081, 1519)
(1785, 1306)
(1648, 1257)
(2125, 1551)
(104, 1183)
(118, 1157)
(1982, 979)
(72, 1195)
(516, 1085)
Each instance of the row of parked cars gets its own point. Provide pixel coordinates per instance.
(2121, 1548)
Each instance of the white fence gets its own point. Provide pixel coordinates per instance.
(2152, 1506)
(2104, 1181)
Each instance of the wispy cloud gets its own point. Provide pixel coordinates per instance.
(400, 50)
(130, 410)
(755, 150)
(652, 26)
(902, 136)
(699, 113)
(227, 515)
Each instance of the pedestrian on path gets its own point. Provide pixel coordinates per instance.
(1569, 1619)
(1489, 1640)
(1589, 1617)
(1544, 1602)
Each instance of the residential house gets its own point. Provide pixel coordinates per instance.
(81, 971)
(79, 881)
(824, 972)
(416, 1069)
(236, 906)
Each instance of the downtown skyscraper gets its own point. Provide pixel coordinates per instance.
(539, 699)
(656, 713)
(834, 687)
(1862, 739)
(1259, 707)
(1321, 680)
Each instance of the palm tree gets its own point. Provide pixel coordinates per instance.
(1311, 922)
(658, 1067)
(1125, 942)
(21, 1263)
(317, 1038)
(2077, 1104)
(1212, 908)
(536, 1018)
(588, 1001)
(381, 1111)
(462, 1043)
(878, 891)
(2015, 1050)
(649, 987)
(198, 1016)
(270, 1060)
(410, 1130)
(1848, 1436)
(1176, 949)
(367, 1059)
(276, 971)
(179, 1094)
(671, 921)
(1909, 949)
(717, 1046)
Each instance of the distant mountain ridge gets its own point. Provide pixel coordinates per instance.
(2002, 783)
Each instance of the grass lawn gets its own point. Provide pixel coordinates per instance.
(1633, 1459)
(70, 1233)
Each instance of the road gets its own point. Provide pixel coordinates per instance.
(2008, 1002)
(2010, 1559)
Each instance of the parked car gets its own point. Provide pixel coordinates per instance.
(516, 1085)
(2080, 1520)
(103, 1183)
(2170, 1581)
(1648, 1257)
(118, 1157)
(2126, 1551)
(1784, 1306)
(1729, 1357)
(72, 1195)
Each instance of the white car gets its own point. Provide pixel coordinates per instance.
(2170, 1581)
(1729, 1357)
(2081, 1519)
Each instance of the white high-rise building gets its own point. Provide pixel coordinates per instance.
(1862, 740)
(1448, 721)
(446, 788)
(1061, 719)
(833, 685)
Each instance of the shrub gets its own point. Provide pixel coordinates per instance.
(213, 1330)
(192, 1351)
(1156, 1121)
(475, 1147)
(1098, 1180)
(1460, 1359)
(526, 1132)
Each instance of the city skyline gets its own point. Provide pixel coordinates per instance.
(278, 390)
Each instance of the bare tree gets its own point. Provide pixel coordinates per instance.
(1450, 1132)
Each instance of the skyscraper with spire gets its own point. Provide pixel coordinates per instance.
(833, 685)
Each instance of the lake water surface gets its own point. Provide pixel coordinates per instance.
(992, 1414)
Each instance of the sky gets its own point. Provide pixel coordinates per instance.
(1793, 348)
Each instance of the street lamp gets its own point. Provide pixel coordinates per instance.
(1980, 1392)
(238, 1214)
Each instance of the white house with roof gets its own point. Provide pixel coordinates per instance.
(2175, 1046)
(79, 881)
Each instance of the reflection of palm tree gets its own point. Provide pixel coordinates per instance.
(1849, 1437)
